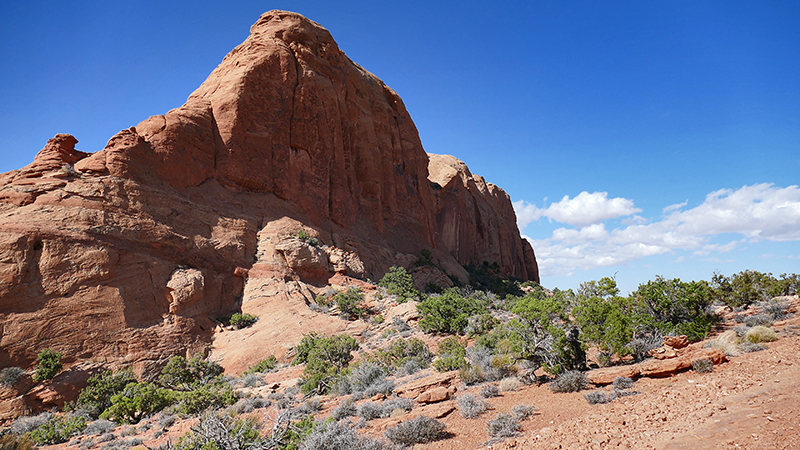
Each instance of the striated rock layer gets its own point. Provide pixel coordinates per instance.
(129, 254)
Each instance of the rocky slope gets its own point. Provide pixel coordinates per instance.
(128, 255)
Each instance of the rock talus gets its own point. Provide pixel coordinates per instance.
(130, 254)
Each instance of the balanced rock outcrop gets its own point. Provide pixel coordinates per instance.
(130, 254)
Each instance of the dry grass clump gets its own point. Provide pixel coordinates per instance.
(509, 384)
(760, 333)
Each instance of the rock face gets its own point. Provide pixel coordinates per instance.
(128, 255)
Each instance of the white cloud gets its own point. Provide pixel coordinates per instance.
(758, 212)
(585, 209)
(674, 207)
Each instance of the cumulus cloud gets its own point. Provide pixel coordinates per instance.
(757, 212)
(585, 209)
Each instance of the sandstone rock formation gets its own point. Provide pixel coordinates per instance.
(129, 255)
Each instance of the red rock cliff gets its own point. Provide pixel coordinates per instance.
(126, 255)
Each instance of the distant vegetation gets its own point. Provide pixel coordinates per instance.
(493, 330)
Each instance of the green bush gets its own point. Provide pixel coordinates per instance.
(399, 283)
(452, 353)
(48, 364)
(750, 286)
(245, 320)
(58, 430)
(540, 336)
(350, 303)
(265, 365)
(449, 312)
(96, 396)
(215, 395)
(673, 306)
(325, 357)
(402, 354)
(604, 318)
(184, 375)
(137, 401)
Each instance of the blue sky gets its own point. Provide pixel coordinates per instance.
(635, 138)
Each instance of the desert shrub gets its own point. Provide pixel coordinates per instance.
(470, 406)
(96, 396)
(402, 352)
(247, 404)
(184, 375)
(643, 342)
(764, 320)
(249, 380)
(14, 442)
(776, 310)
(338, 436)
(58, 430)
(471, 374)
(503, 426)
(369, 411)
(265, 365)
(480, 324)
(622, 383)
(570, 381)
(10, 375)
(703, 365)
(26, 424)
(244, 320)
(604, 318)
(400, 325)
(137, 401)
(522, 412)
(399, 283)
(509, 384)
(345, 409)
(598, 397)
(749, 347)
(350, 303)
(419, 430)
(490, 390)
(212, 395)
(100, 426)
(395, 403)
(449, 312)
(673, 306)
(451, 353)
(220, 431)
(369, 378)
(741, 330)
(760, 334)
(539, 335)
(122, 444)
(750, 286)
(48, 364)
(325, 357)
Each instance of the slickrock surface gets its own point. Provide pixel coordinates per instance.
(129, 255)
